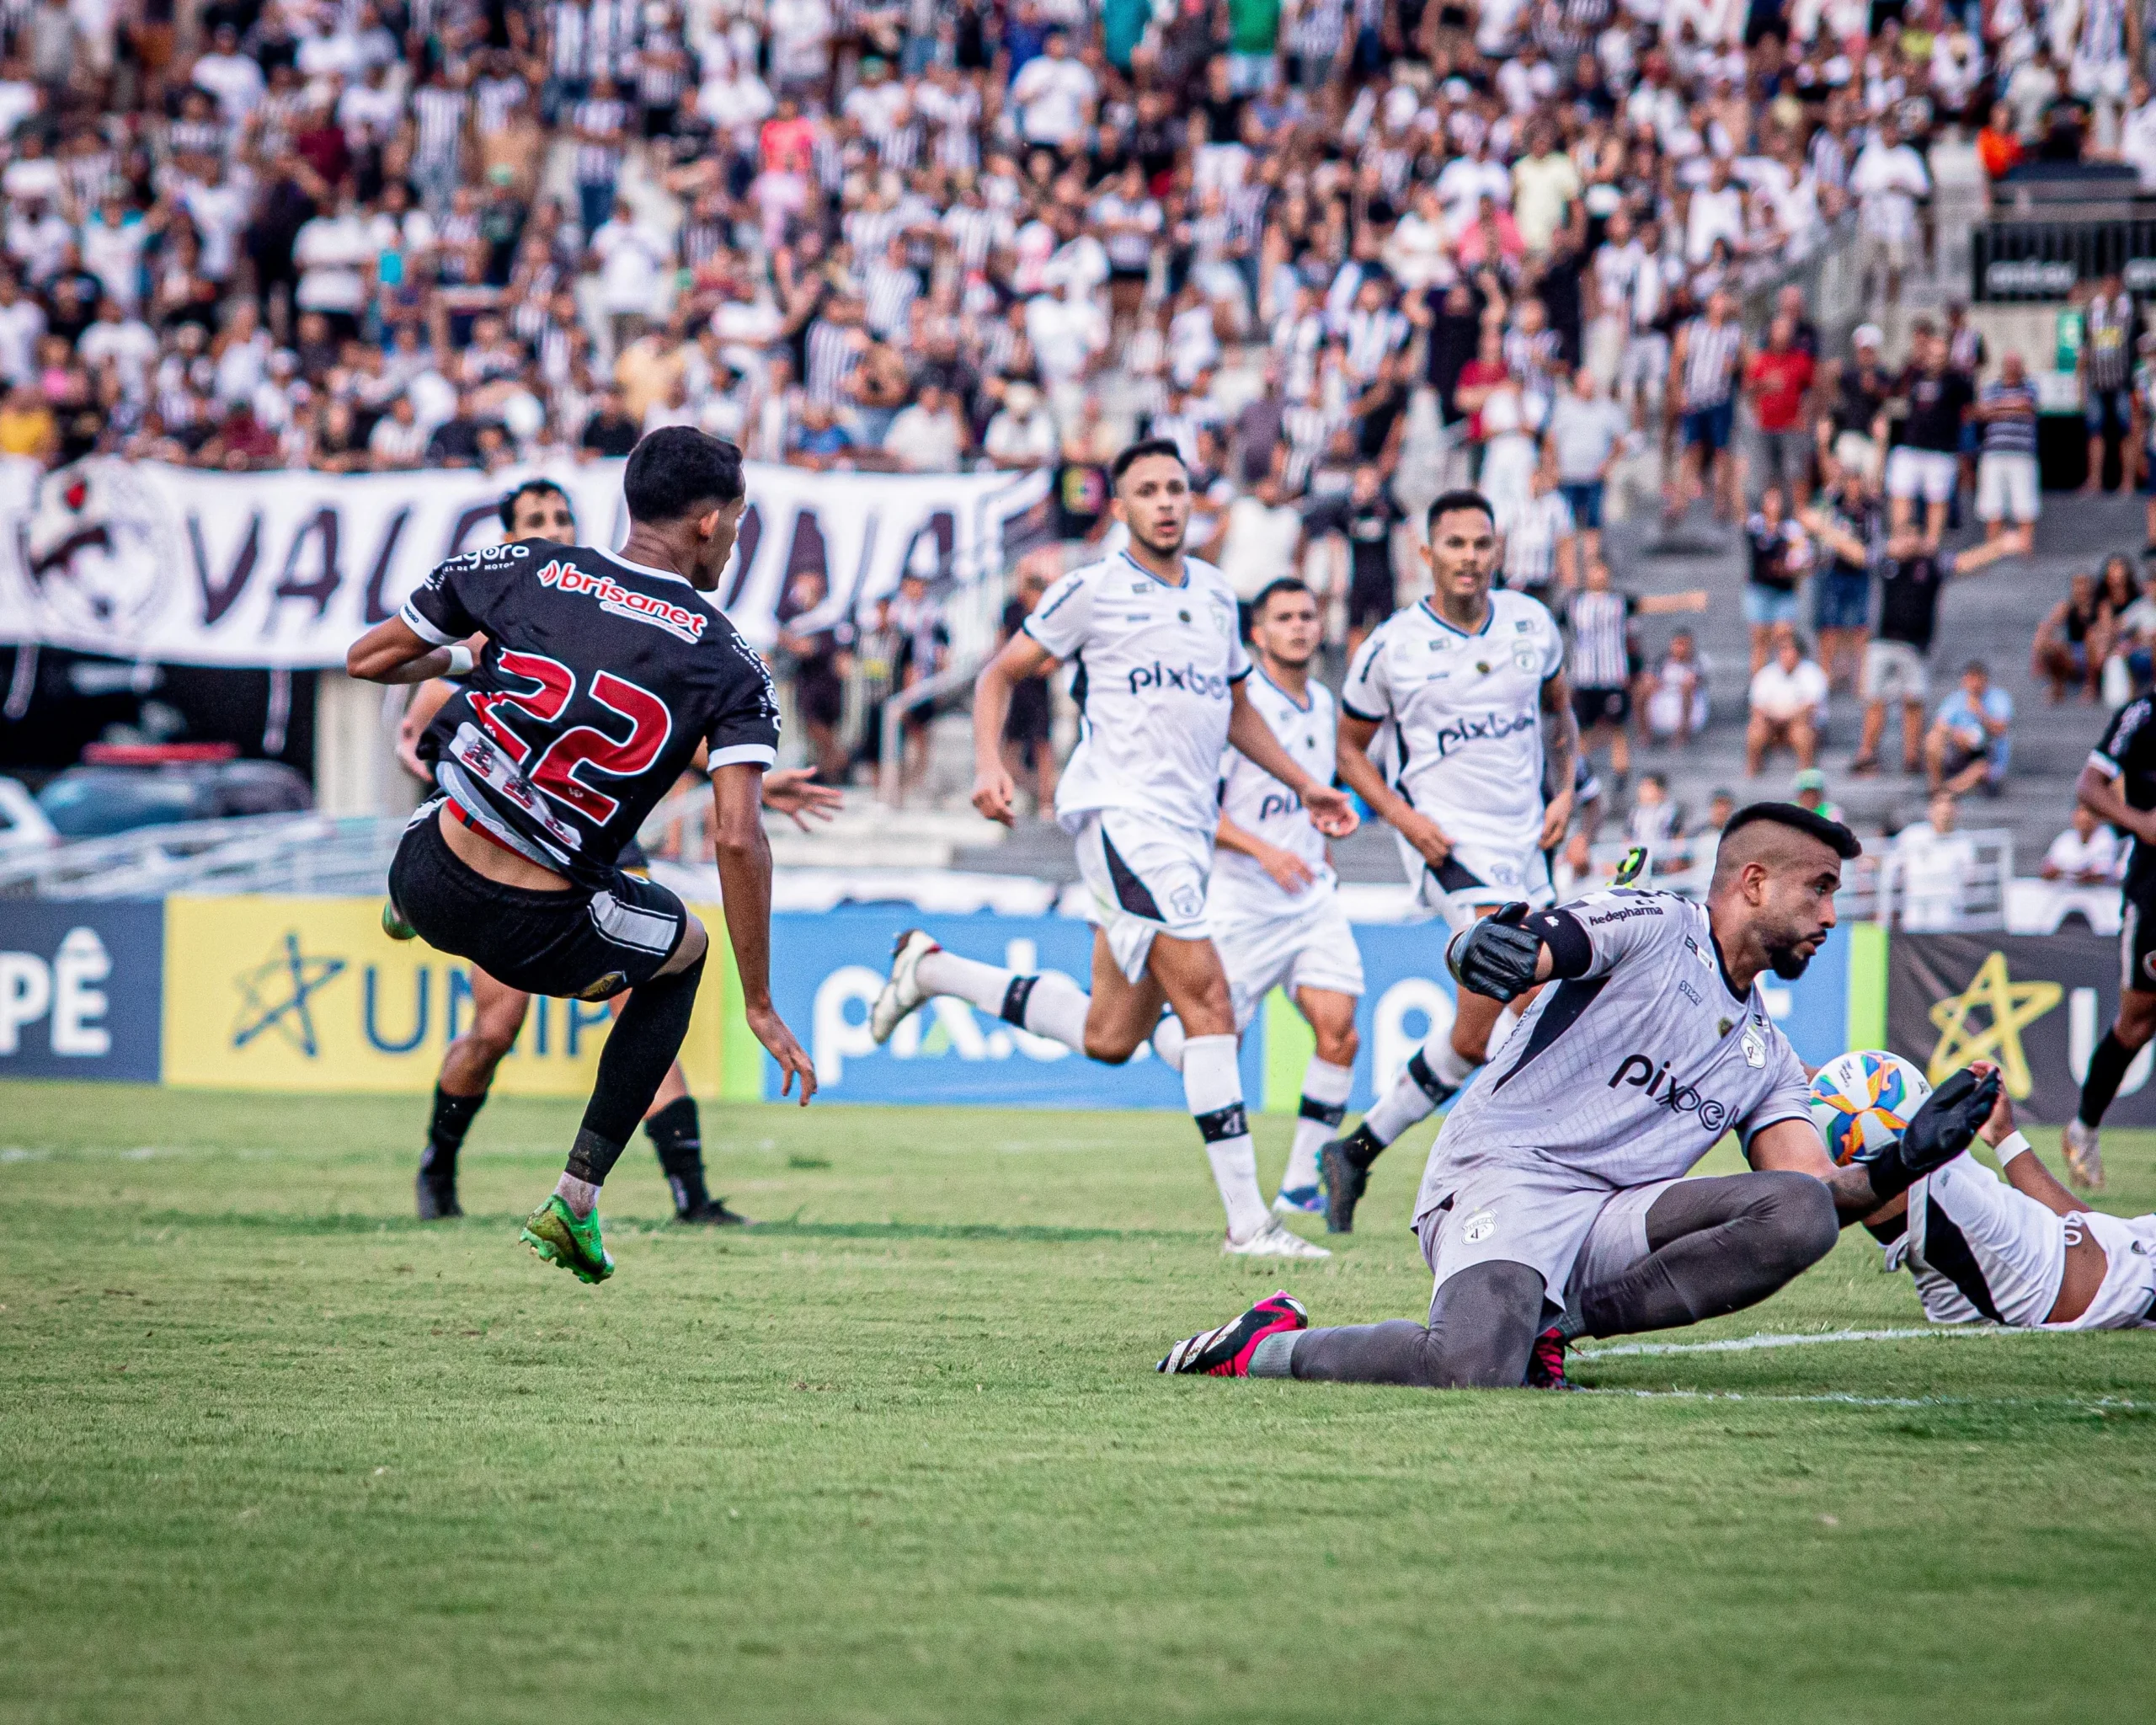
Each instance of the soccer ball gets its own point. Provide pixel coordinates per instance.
(1861, 1101)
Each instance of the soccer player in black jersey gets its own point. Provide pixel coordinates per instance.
(2118, 785)
(602, 677)
(540, 509)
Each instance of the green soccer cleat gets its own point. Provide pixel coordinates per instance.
(553, 1231)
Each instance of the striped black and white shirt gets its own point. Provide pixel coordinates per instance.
(834, 353)
(1599, 659)
(438, 115)
(1533, 532)
(662, 69)
(568, 40)
(495, 101)
(1711, 352)
(891, 290)
(1307, 429)
(2016, 433)
(614, 32)
(598, 164)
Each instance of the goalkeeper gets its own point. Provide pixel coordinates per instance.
(1552, 1206)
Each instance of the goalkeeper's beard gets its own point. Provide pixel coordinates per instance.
(1787, 958)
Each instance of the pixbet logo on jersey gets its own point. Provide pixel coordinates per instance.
(1494, 729)
(677, 620)
(1640, 1071)
(1278, 802)
(1188, 678)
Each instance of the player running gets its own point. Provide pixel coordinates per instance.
(2118, 785)
(1460, 684)
(602, 677)
(2019, 1249)
(1552, 1206)
(540, 509)
(1162, 691)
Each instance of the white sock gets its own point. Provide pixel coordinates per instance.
(1049, 1005)
(1410, 1100)
(1169, 1041)
(581, 1196)
(1324, 1103)
(1214, 1089)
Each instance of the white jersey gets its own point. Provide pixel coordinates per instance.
(1155, 665)
(1628, 1073)
(1464, 718)
(1263, 807)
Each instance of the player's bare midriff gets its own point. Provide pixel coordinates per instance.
(498, 864)
(2086, 1265)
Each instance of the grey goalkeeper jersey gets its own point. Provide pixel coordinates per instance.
(1630, 1073)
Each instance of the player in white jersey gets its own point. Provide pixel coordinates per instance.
(1273, 902)
(1161, 692)
(1553, 1204)
(2019, 1250)
(1456, 690)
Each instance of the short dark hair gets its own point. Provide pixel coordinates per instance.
(677, 470)
(1831, 833)
(1138, 452)
(1273, 589)
(530, 488)
(1448, 501)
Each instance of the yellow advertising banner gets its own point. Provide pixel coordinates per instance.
(308, 994)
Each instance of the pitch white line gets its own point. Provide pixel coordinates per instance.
(1745, 1344)
(2102, 1404)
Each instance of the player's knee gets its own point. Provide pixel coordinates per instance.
(488, 1041)
(1339, 1047)
(1800, 1221)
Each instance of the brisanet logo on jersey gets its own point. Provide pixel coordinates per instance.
(81, 990)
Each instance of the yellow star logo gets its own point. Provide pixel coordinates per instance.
(2011, 1006)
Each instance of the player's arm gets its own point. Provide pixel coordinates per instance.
(1285, 867)
(1252, 738)
(1360, 774)
(2098, 792)
(1970, 1104)
(744, 879)
(2026, 1174)
(1561, 745)
(393, 653)
(1022, 658)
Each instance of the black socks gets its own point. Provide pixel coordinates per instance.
(646, 1038)
(1361, 1148)
(2107, 1067)
(452, 1119)
(677, 1134)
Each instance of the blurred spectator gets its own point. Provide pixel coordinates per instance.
(1778, 383)
(2069, 648)
(1911, 580)
(1788, 705)
(1676, 700)
(1780, 553)
(1586, 434)
(2007, 488)
(1846, 521)
(1971, 742)
(1808, 790)
(1601, 660)
(2088, 853)
(1030, 725)
(1936, 865)
(1022, 435)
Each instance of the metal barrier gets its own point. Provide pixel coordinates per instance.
(890, 780)
(1975, 899)
(1831, 283)
(284, 853)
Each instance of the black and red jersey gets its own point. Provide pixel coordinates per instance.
(599, 679)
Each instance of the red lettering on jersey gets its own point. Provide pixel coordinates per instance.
(557, 684)
(650, 725)
(679, 621)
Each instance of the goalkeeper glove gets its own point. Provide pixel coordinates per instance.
(1496, 957)
(1942, 1128)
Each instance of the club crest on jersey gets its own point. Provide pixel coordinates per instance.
(678, 621)
(1479, 1227)
(1754, 1046)
(1523, 656)
(1187, 902)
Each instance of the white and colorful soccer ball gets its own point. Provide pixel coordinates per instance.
(1862, 1102)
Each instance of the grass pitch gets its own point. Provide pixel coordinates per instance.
(271, 1451)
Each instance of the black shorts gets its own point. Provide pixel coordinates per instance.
(1369, 603)
(578, 944)
(2137, 942)
(1594, 706)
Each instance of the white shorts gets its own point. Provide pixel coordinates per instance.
(1893, 670)
(1928, 473)
(2126, 1300)
(1147, 877)
(1645, 365)
(1859, 453)
(2006, 487)
(1307, 949)
(1539, 1213)
(1475, 879)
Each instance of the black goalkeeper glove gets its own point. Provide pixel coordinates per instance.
(1941, 1129)
(1496, 957)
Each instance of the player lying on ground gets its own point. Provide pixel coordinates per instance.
(1552, 1205)
(2118, 785)
(1162, 691)
(539, 510)
(1271, 902)
(2019, 1249)
(602, 677)
(1460, 683)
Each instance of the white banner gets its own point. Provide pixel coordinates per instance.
(285, 569)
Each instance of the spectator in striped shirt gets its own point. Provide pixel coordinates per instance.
(1707, 360)
(1601, 663)
(2007, 489)
(1541, 542)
